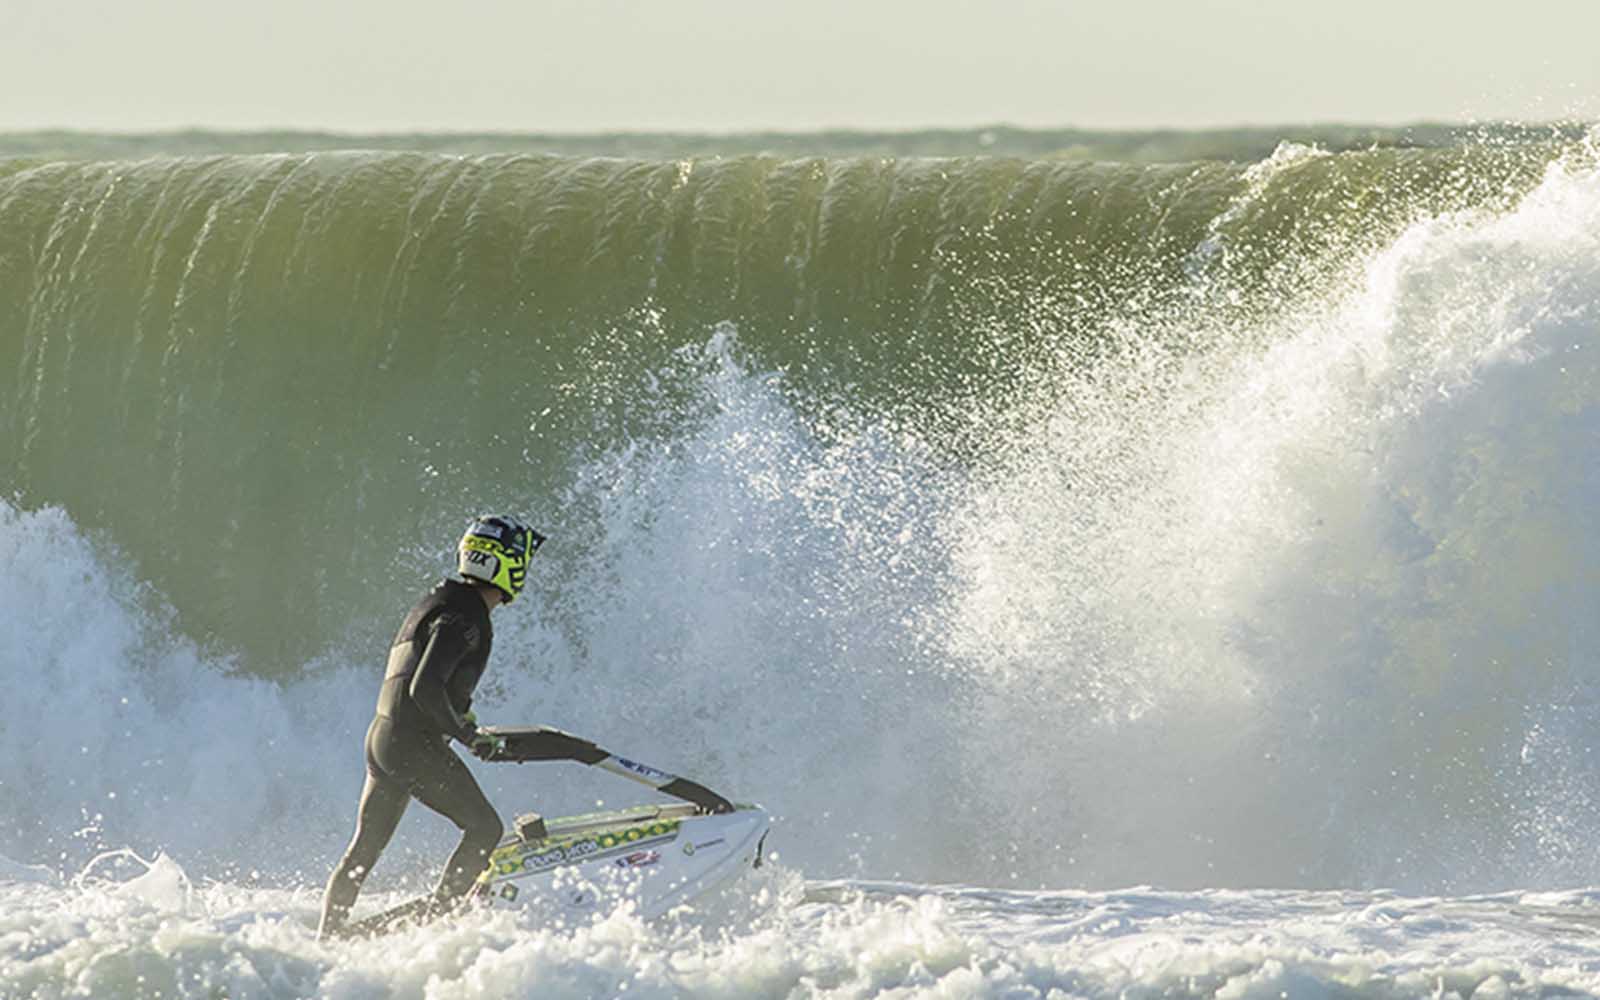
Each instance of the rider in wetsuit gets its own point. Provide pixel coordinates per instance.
(434, 666)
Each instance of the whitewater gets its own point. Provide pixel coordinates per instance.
(1132, 581)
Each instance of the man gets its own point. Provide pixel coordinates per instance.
(434, 667)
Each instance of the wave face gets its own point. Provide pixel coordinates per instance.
(268, 380)
(998, 521)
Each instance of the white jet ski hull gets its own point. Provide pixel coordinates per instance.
(659, 857)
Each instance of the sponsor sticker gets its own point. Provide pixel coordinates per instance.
(638, 859)
(690, 848)
(644, 770)
(538, 861)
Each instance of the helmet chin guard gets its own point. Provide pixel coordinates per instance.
(496, 550)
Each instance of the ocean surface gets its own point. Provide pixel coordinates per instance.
(1160, 573)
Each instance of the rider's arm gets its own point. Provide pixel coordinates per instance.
(447, 644)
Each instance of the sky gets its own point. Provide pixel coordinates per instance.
(729, 65)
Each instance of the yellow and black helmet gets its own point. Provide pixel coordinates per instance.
(496, 550)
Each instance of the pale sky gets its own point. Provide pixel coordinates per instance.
(591, 65)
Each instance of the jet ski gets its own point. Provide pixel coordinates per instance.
(655, 856)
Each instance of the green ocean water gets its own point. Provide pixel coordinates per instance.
(1015, 521)
(268, 379)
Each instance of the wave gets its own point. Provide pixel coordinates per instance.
(1004, 522)
(240, 368)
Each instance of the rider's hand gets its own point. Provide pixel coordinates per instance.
(486, 745)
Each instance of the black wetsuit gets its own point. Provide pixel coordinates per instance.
(434, 666)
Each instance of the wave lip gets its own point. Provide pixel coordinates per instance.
(1147, 146)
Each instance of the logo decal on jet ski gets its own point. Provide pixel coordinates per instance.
(638, 859)
(644, 771)
(540, 860)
